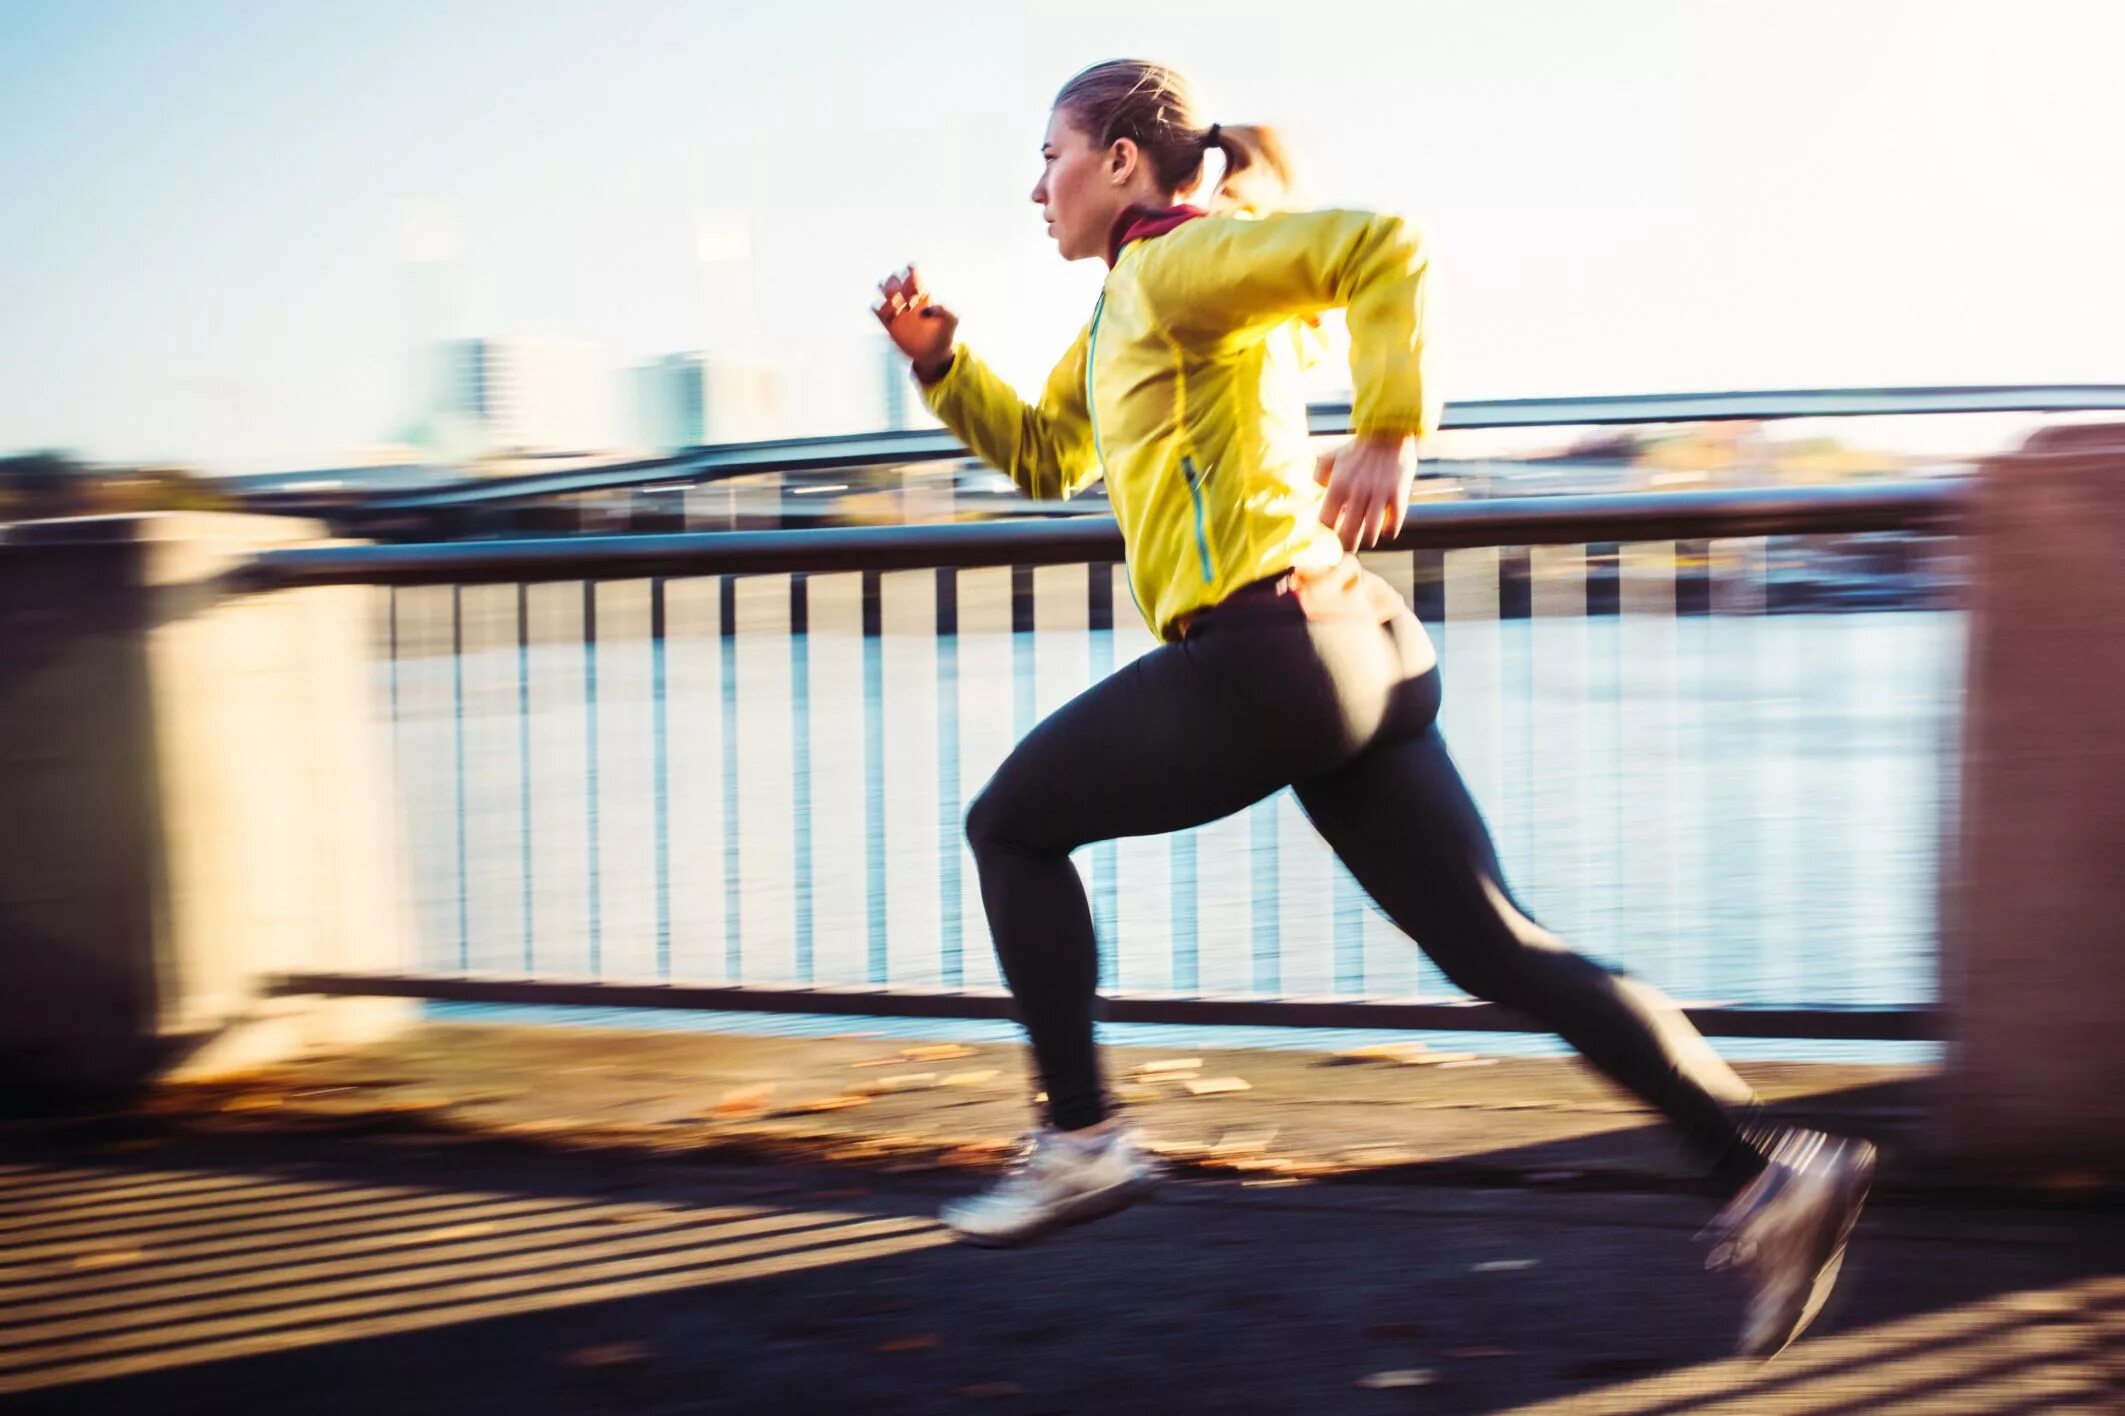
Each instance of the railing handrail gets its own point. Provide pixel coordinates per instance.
(855, 450)
(1516, 521)
(1858, 1022)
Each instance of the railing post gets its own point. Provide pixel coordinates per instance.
(189, 800)
(2033, 943)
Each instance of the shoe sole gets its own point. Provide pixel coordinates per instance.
(1831, 1260)
(1082, 1210)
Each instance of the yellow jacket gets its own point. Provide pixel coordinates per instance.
(1183, 391)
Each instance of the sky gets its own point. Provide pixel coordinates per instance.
(230, 223)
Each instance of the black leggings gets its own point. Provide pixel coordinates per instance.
(1254, 699)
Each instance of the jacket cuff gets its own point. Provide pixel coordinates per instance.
(951, 365)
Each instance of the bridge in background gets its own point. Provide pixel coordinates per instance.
(924, 475)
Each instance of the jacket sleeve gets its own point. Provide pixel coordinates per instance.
(1253, 275)
(1045, 447)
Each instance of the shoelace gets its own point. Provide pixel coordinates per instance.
(1031, 1149)
(1737, 1230)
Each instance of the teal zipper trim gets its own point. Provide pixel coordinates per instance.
(1092, 413)
(1091, 361)
(1195, 494)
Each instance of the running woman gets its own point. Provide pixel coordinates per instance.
(1284, 663)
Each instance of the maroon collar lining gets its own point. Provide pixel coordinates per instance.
(1141, 223)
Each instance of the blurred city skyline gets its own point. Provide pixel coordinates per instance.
(238, 224)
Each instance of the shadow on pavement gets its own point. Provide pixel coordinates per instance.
(298, 1271)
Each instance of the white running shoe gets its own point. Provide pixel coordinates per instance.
(1786, 1232)
(1057, 1180)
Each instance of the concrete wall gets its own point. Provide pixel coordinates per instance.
(191, 798)
(2033, 953)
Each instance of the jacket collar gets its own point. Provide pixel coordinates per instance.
(1141, 223)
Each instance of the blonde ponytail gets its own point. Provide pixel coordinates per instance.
(1155, 107)
(1259, 173)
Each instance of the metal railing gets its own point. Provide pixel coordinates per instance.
(726, 770)
(882, 449)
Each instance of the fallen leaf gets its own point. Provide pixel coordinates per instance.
(1390, 1381)
(1171, 1064)
(610, 1354)
(826, 1103)
(1385, 1052)
(940, 1052)
(1213, 1086)
(910, 1081)
(744, 1100)
(968, 1079)
(982, 1391)
(1243, 1142)
(913, 1342)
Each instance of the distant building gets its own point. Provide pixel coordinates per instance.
(900, 398)
(500, 396)
(686, 400)
(899, 387)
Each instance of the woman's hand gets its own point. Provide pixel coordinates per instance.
(1368, 488)
(923, 329)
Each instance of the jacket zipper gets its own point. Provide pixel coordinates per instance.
(1195, 494)
(1091, 360)
(1092, 412)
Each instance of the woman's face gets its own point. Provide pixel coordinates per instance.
(1077, 191)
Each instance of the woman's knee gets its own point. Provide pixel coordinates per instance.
(999, 820)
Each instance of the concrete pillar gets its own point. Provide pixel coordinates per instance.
(2033, 947)
(192, 797)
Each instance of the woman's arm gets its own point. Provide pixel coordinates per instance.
(1046, 447)
(1245, 277)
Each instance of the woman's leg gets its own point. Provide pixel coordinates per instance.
(1402, 820)
(1161, 745)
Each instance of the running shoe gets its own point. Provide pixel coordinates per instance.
(1785, 1233)
(1057, 1180)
